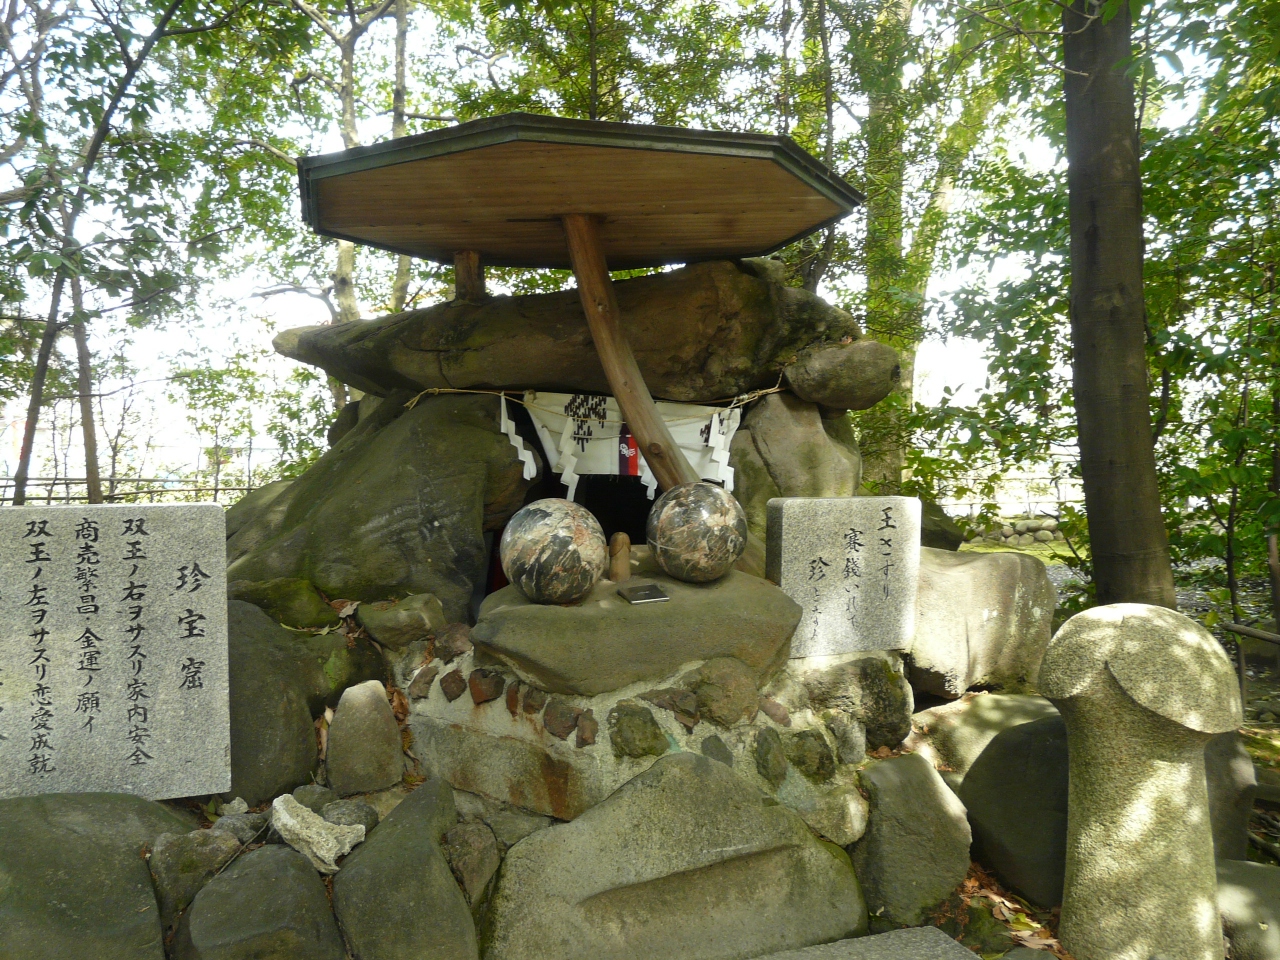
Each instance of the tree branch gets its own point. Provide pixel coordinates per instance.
(274, 151)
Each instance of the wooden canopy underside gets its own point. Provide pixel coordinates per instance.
(656, 203)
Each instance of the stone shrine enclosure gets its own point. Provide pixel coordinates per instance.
(849, 743)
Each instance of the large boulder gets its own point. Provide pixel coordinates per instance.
(268, 905)
(399, 505)
(707, 331)
(686, 860)
(937, 529)
(982, 619)
(845, 376)
(288, 600)
(915, 851)
(1016, 795)
(605, 643)
(914, 943)
(396, 897)
(786, 448)
(1233, 784)
(273, 744)
(953, 735)
(1249, 900)
(73, 881)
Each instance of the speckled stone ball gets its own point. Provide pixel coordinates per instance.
(697, 532)
(554, 551)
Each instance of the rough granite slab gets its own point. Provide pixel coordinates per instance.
(604, 643)
(918, 943)
(113, 650)
(853, 564)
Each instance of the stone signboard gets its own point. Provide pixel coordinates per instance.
(113, 650)
(852, 563)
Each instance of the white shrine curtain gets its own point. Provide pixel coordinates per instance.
(584, 434)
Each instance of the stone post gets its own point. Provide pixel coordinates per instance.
(1142, 689)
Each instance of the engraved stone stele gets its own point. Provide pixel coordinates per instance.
(697, 532)
(113, 650)
(554, 551)
(853, 564)
(1142, 690)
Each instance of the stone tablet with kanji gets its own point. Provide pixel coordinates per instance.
(852, 563)
(113, 650)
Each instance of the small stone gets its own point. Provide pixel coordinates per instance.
(311, 835)
(245, 827)
(726, 691)
(588, 728)
(1022, 526)
(775, 711)
(473, 855)
(238, 805)
(715, 748)
(683, 703)
(420, 685)
(182, 864)
(771, 759)
(365, 752)
(453, 685)
(1044, 536)
(314, 797)
(1006, 531)
(560, 718)
(633, 731)
(809, 753)
(352, 813)
(840, 815)
(534, 700)
(452, 642)
(485, 685)
(398, 624)
(849, 734)
(513, 697)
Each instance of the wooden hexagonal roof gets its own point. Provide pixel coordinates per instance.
(499, 186)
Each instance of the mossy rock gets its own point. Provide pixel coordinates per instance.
(291, 601)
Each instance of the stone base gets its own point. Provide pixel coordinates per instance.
(560, 755)
(919, 943)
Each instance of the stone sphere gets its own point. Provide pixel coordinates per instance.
(697, 532)
(554, 551)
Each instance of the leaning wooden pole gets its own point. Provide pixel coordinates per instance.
(600, 304)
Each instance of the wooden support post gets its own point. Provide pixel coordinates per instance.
(468, 276)
(599, 302)
(619, 557)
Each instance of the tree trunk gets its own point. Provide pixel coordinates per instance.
(36, 401)
(1108, 334)
(88, 425)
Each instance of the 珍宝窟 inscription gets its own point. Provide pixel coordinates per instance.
(852, 563)
(113, 650)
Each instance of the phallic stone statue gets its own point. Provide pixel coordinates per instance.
(1142, 689)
